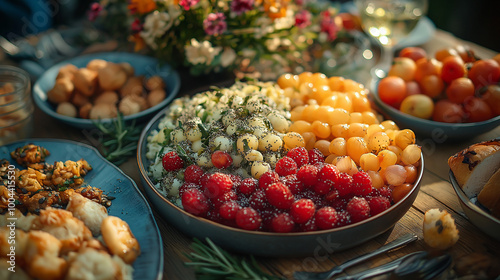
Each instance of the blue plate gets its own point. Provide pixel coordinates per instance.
(129, 205)
(143, 65)
(424, 128)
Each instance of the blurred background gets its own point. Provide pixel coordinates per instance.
(477, 21)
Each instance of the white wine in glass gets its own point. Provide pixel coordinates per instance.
(389, 21)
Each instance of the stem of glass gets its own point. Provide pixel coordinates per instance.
(384, 64)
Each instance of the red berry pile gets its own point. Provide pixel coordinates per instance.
(302, 193)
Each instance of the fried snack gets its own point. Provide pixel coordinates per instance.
(29, 154)
(439, 229)
(103, 111)
(111, 77)
(66, 109)
(62, 90)
(90, 212)
(119, 239)
(69, 173)
(85, 81)
(42, 256)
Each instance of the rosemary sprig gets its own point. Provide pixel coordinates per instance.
(212, 262)
(119, 139)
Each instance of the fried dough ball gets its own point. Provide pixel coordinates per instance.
(133, 86)
(64, 226)
(42, 256)
(103, 111)
(119, 239)
(156, 96)
(85, 81)
(90, 212)
(96, 64)
(111, 77)
(110, 97)
(79, 99)
(84, 111)
(154, 82)
(132, 104)
(439, 229)
(98, 265)
(62, 90)
(67, 71)
(66, 109)
(22, 222)
(21, 240)
(129, 70)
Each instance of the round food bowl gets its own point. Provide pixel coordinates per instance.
(316, 243)
(143, 65)
(475, 212)
(432, 129)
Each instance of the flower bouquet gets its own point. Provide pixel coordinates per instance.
(263, 37)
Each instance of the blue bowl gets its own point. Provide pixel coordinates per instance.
(143, 65)
(431, 129)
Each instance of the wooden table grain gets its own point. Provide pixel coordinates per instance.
(435, 192)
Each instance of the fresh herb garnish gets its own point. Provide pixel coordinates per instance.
(212, 262)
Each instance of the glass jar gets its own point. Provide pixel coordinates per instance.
(16, 106)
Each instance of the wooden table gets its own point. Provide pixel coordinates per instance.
(435, 192)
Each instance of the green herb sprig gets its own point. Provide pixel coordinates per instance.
(212, 262)
(120, 140)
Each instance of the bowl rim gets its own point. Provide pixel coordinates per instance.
(45, 107)
(385, 108)
(467, 202)
(149, 184)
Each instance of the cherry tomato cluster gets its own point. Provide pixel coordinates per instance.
(454, 86)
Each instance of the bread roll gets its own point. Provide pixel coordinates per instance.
(474, 166)
(489, 196)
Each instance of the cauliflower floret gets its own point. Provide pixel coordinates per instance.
(439, 229)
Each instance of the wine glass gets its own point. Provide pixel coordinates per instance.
(389, 21)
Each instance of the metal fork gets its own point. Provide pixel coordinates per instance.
(398, 242)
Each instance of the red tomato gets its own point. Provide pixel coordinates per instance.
(453, 68)
(492, 97)
(444, 53)
(426, 67)
(466, 53)
(477, 110)
(392, 90)
(414, 53)
(412, 88)
(432, 85)
(459, 90)
(403, 67)
(448, 112)
(484, 72)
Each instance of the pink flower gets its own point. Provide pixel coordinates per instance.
(303, 19)
(187, 4)
(95, 10)
(241, 6)
(329, 26)
(215, 24)
(136, 26)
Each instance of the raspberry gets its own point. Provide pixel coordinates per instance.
(195, 202)
(186, 186)
(225, 197)
(315, 156)
(344, 184)
(378, 204)
(385, 191)
(172, 161)
(282, 223)
(217, 184)
(229, 209)
(258, 200)
(213, 215)
(339, 204)
(221, 159)
(302, 210)
(332, 195)
(248, 186)
(326, 218)
(248, 218)
(343, 218)
(204, 179)
(286, 166)
(328, 174)
(193, 174)
(309, 225)
(293, 183)
(308, 175)
(236, 180)
(321, 188)
(362, 183)
(299, 155)
(268, 178)
(358, 209)
(279, 196)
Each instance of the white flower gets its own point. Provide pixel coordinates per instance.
(228, 56)
(155, 25)
(285, 22)
(273, 43)
(248, 53)
(201, 53)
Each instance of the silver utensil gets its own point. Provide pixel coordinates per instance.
(398, 242)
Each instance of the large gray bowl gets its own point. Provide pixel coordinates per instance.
(317, 243)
